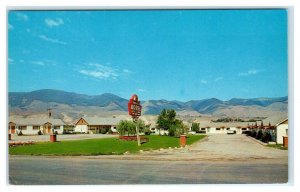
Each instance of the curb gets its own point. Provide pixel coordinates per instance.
(257, 141)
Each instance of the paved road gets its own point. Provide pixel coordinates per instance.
(218, 159)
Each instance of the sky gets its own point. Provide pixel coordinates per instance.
(157, 54)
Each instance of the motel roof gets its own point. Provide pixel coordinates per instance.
(101, 120)
(275, 120)
(35, 121)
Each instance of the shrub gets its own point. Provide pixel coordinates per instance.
(195, 127)
(20, 133)
(39, 132)
(103, 131)
(266, 137)
(147, 131)
(55, 133)
(172, 130)
(110, 131)
(259, 135)
(253, 133)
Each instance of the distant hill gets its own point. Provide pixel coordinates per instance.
(23, 99)
(69, 105)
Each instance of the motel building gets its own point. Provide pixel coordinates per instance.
(93, 125)
(32, 126)
(279, 127)
(224, 127)
(282, 130)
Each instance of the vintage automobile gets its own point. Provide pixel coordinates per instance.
(192, 133)
(231, 131)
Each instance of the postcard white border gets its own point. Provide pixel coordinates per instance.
(69, 4)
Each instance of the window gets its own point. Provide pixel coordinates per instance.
(218, 129)
(22, 127)
(36, 127)
(203, 129)
(12, 127)
(227, 128)
(56, 127)
(244, 129)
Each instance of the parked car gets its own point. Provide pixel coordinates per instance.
(192, 133)
(231, 132)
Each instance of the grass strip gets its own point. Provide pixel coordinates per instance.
(105, 146)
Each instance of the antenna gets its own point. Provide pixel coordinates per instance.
(49, 112)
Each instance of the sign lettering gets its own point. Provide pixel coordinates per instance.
(134, 106)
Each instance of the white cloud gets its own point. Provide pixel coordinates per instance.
(38, 63)
(249, 72)
(44, 37)
(141, 90)
(100, 71)
(203, 81)
(218, 78)
(127, 71)
(10, 60)
(22, 16)
(54, 22)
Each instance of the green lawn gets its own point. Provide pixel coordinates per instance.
(277, 146)
(105, 146)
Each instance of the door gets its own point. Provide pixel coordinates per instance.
(48, 128)
(13, 129)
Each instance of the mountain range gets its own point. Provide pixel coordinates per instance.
(73, 105)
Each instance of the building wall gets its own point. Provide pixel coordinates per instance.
(81, 129)
(59, 129)
(217, 130)
(158, 131)
(12, 128)
(29, 129)
(281, 130)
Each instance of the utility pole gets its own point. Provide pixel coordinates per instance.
(49, 119)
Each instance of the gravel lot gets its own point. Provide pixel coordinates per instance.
(218, 147)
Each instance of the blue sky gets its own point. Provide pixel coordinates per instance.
(174, 55)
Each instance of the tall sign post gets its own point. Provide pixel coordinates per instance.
(134, 109)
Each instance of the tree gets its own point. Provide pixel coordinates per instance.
(167, 121)
(126, 127)
(141, 125)
(195, 127)
(177, 129)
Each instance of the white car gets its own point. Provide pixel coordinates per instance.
(231, 132)
(192, 132)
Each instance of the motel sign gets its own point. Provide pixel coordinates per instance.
(134, 109)
(134, 106)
